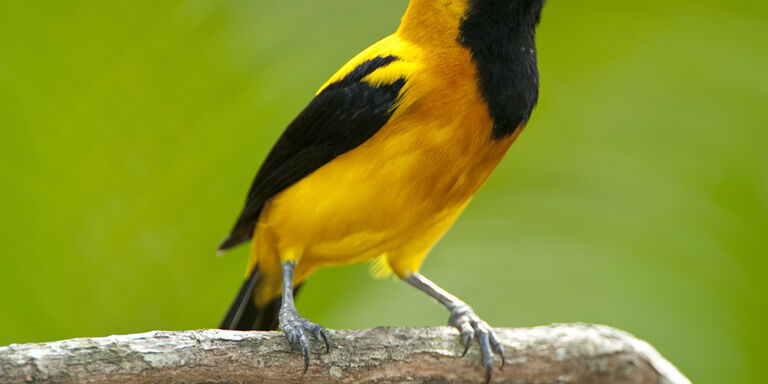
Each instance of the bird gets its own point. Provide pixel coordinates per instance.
(385, 157)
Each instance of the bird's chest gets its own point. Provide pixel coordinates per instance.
(446, 139)
(426, 162)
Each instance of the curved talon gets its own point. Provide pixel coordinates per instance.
(498, 348)
(468, 339)
(487, 354)
(469, 336)
(296, 330)
(321, 334)
(305, 352)
(471, 327)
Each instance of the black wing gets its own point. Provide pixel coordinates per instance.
(344, 115)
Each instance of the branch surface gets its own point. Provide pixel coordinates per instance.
(560, 353)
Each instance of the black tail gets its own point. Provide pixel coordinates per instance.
(244, 315)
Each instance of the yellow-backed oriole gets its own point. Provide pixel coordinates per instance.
(386, 156)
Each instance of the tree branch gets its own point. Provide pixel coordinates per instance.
(563, 354)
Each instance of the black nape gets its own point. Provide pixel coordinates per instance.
(501, 36)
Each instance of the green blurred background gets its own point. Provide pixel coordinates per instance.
(637, 197)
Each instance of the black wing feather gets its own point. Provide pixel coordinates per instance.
(242, 312)
(340, 118)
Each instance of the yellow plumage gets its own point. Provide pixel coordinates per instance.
(395, 195)
(385, 158)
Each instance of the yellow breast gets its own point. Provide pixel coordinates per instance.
(396, 194)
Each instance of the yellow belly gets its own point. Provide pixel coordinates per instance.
(395, 195)
(392, 197)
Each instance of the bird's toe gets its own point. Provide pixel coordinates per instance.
(297, 329)
(471, 328)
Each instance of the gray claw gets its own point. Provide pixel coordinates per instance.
(321, 334)
(498, 348)
(296, 328)
(468, 339)
(305, 352)
(471, 327)
(487, 355)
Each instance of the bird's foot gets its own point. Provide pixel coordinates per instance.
(296, 329)
(471, 327)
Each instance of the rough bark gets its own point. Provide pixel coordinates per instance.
(564, 354)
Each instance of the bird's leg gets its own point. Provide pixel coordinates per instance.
(295, 326)
(465, 319)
